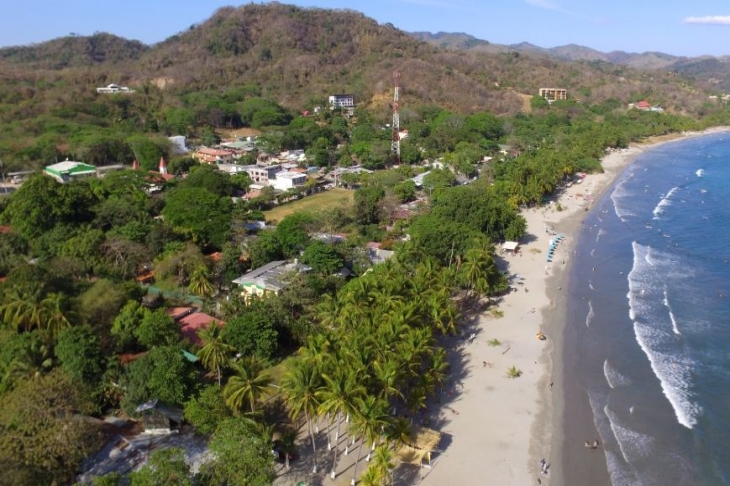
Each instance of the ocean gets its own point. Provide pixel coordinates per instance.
(649, 313)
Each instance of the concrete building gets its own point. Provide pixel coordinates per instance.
(264, 175)
(288, 180)
(344, 101)
(69, 170)
(552, 94)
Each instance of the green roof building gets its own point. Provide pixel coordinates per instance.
(69, 170)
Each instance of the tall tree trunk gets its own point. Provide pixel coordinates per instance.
(357, 463)
(333, 475)
(314, 446)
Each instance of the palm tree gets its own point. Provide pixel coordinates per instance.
(369, 421)
(383, 462)
(387, 378)
(338, 398)
(301, 385)
(200, 282)
(21, 307)
(55, 313)
(215, 355)
(372, 477)
(246, 386)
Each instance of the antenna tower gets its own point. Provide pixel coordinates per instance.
(395, 141)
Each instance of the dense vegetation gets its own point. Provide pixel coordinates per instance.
(80, 337)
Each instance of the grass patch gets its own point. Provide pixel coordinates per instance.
(496, 312)
(494, 342)
(333, 197)
(535, 250)
(513, 372)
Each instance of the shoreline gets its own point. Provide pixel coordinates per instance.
(500, 427)
(571, 401)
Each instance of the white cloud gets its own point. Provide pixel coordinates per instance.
(708, 20)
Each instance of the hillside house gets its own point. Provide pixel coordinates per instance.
(553, 94)
(342, 101)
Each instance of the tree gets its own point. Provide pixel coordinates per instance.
(369, 422)
(163, 373)
(165, 467)
(210, 178)
(300, 385)
(157, 329)
(178, 262)
(42, 433)
(247, 384)
(405, 191)
(215, 355)
(253, 333)
(200, 282)
(367, 204)
(323, 258)
(101, 303)
(197, 212)
(125, 325)
(79, 351)
(338, 398)
(207, 410)
(242, 456)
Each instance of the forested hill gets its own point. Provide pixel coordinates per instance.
(295, 55)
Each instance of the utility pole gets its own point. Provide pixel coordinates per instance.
(395, 140)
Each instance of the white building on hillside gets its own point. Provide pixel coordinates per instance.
(288, 180)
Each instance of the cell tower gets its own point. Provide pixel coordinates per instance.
(395, 142)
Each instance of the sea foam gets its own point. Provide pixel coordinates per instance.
(656, 332)
(666, 201)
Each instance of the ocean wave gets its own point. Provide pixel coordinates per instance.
(613, 377)
(665, 202)
(591, 313)
(621, 474)
(655, 331)
(634, 445)
(601, 232)
(675, 327)
(622, 201)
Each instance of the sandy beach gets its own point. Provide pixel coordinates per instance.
(497, 429)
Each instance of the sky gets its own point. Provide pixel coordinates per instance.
(678, 27)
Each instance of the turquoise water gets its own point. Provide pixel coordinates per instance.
(650, 306)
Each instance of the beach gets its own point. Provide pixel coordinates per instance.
(496, 428)
(500, 428)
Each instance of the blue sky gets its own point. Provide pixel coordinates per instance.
(678, 27)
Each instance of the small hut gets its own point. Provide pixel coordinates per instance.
(421, 444)
(510, 247)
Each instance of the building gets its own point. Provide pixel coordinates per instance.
(69, 170)
(552, 94)
(343, 101)
(271, 278)
(262, 174)
(114, 88)
(208, 155)
(288, 180)
(191, 321)
(179, 146)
